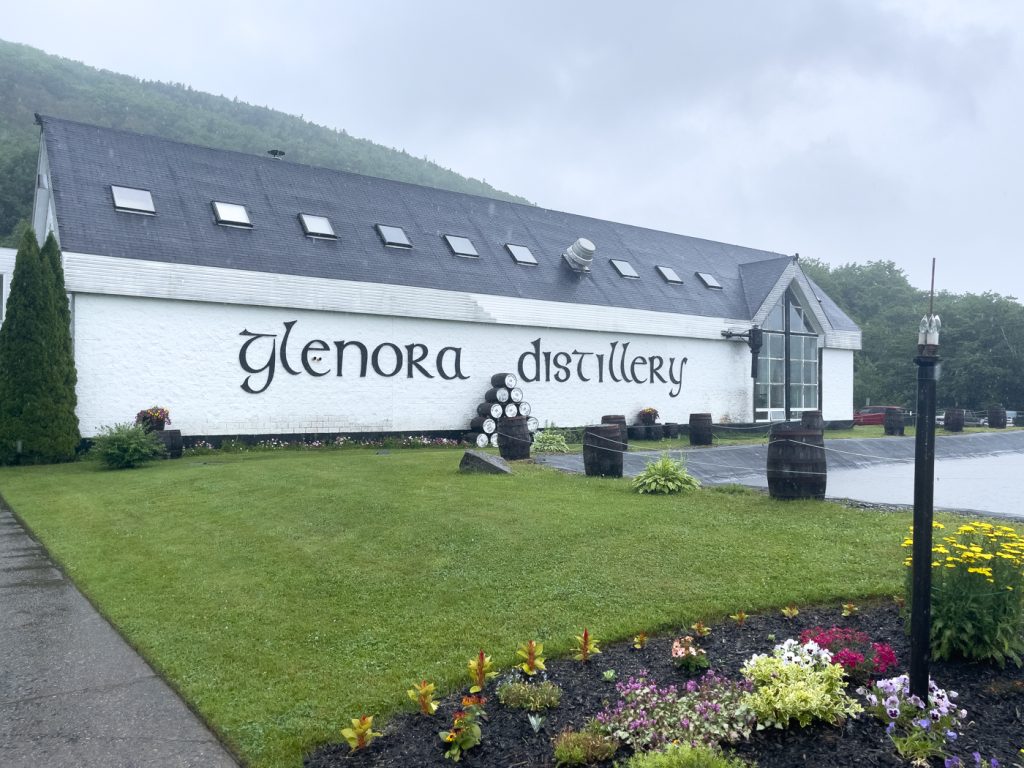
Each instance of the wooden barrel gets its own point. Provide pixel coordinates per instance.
(496, 395)
(602, 450)
(494, 410)
(796, 462)
(479, 439)
(655, 432)
(700, 429)
(514, 438)
(532, 424)
(171, 438)
(524, 408)
(621, 421)
(507, 380)
(812, 420)
(671, 430)
(893, 422)
(997, 418)
(636, 432)
(953, 420)
(512, 410)
(483, 424)
(515, 395)
(494, 439)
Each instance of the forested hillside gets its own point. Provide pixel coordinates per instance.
(32, 81)
(981, 343)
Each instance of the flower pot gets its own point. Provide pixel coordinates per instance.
(153, 425)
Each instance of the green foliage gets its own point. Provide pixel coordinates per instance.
(685, 756)
(584, 747)
(529, 696)
(919, 729)
(797, 683)
(549, 441)
(665, 476)
(465, 732)
(32, 81)
(361, 734)
(977, 594)
(708, 710)
(124, 446)
(981, 342)
(37, 374)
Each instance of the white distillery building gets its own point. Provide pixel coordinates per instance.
(254, 296)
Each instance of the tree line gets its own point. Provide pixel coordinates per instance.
(32, 81)
(981, 343)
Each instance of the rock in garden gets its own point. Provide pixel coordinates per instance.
(477, 461)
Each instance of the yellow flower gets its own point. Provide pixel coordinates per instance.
(940, 526)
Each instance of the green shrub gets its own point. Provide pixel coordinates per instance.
(530, 696)
(569, 434)
(124, 446)
(548, 441)
(665, 476)
(977, 594)
(797, 682)
(685, 756)
(584, 747)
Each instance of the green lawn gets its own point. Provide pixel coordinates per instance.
(284, 593)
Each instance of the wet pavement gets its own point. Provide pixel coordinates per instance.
(870, 469)
(73, 694)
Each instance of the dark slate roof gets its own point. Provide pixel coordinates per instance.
(759, 277)
(184, 179)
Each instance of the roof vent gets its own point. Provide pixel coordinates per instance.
(580, 255)
(277, 154)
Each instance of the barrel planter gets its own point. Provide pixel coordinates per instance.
(636, 432)
(671, 430)
(621, 421)
(602, 450)
(953, 420)
(172, 442)
(700, 429)
(507, 380)
(893, 422)
(656, 432)
(812, 420)
(514, 438)
(796, 462)
(997, 418)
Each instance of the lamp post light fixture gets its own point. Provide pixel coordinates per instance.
(927, 361)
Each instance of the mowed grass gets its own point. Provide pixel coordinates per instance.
(284, 593)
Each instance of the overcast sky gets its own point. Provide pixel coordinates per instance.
(844, 131)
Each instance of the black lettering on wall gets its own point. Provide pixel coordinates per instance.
(363, 355)
(316, 345)
(376, 359)
(268, 366)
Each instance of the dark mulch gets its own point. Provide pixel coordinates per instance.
(993, 698)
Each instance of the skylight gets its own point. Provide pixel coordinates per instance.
(393, 237)
(231, 215)
(670, 275)
(521, 254)
(461, 246)
(132, 200)
(708, 279)
(624, 268)
(317, 226)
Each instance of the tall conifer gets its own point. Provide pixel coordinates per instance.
(64, 424)
(33, 401)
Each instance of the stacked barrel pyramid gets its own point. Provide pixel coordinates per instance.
(500, 414)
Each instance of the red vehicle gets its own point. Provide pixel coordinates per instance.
(873, 414)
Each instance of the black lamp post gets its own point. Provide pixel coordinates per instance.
(927, 361)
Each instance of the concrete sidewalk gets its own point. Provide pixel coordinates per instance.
(73, 694)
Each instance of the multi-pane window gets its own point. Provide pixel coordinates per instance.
(788, 364)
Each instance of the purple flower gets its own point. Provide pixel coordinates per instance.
(952, 735)
(953, 762)
(977, 757)
(924, 723)
(890, 728)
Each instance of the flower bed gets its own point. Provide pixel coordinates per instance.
(992, 698)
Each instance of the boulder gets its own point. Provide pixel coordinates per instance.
(478, 461)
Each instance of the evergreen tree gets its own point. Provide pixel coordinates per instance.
(29, 379)
(64, 423)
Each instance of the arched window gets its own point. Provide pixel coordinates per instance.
(788, 370)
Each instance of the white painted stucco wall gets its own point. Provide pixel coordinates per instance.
(133, 353)
(837, 384)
